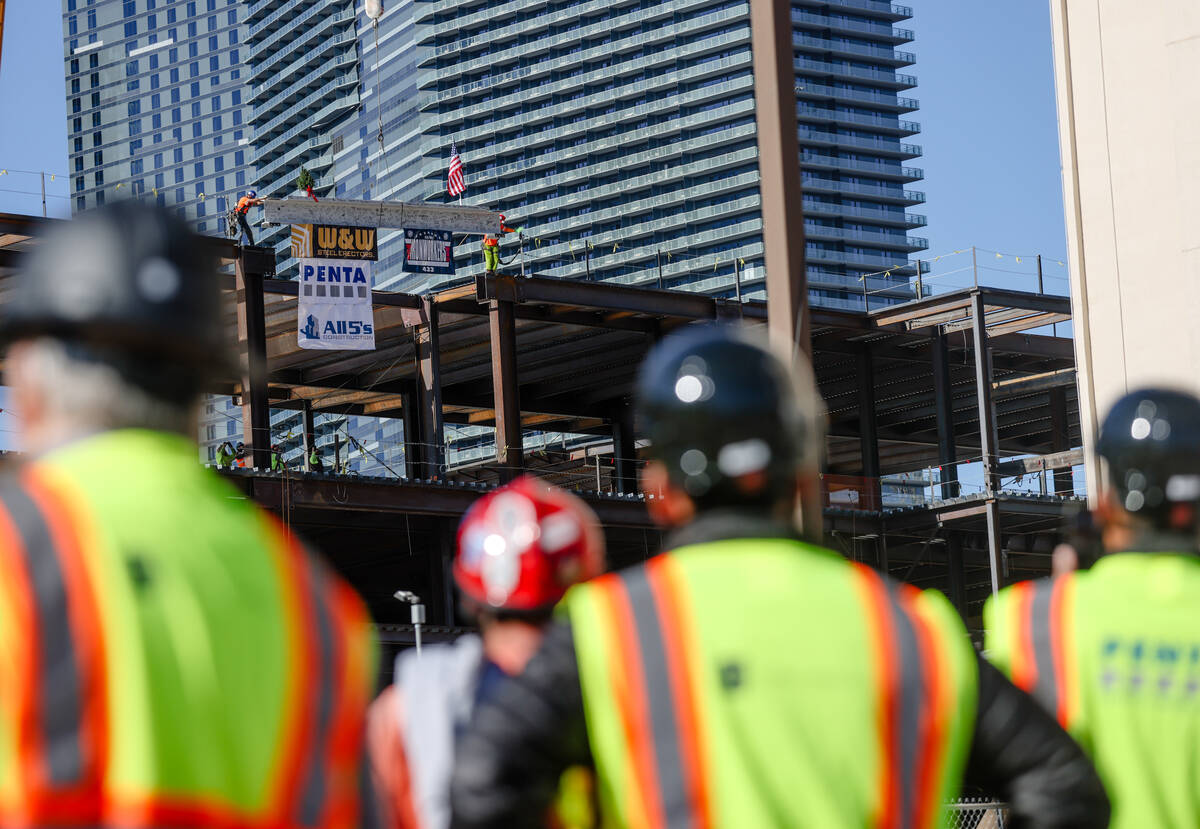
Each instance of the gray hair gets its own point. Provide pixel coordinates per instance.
(93, 396)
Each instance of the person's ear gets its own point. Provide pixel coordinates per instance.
(668, 505)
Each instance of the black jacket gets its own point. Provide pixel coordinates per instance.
(510, 759)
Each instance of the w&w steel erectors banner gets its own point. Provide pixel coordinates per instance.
(334, 309)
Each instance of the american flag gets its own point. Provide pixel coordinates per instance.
(454, 181)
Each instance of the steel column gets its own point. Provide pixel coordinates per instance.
(310, 432)
(995, 544)
(988, 438)
(429, 392)
(779, 175)
(954, 563)
(1060, 441)
(414, 455)
(868, 434)
(502, 325)
(624, 450)
(944, 413)
(252, 348)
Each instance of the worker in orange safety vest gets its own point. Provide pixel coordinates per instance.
(491, 247)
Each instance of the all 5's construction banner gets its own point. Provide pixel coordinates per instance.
(334, 310)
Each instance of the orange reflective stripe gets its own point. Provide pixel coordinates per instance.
(1024, 663)
(1066, 666)
(873, 594)
(643, 808)
(938, 704)
(680, 648)
(61, 706)
(914, 701)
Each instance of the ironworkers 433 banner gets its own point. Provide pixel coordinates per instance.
(334, 310)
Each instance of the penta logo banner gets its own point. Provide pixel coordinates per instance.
(335, 242)
(334, 310)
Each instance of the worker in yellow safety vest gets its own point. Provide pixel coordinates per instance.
(748, 677)
(1114, 651)
(519, 549)
(491, 247)
(173, 656)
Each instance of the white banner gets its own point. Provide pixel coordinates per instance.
(334, 310)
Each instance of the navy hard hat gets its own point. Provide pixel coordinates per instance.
(1151, 443)
(726, 417)
(129, 284)
(252, 194)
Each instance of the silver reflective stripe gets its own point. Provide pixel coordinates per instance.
(668, 762)
(312, 797)
(1045, 690)
(58, 682)
(910, 696)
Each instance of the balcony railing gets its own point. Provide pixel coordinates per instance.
(824, 21)
(880, 7)
(878, 122)
(895, 80)
(635, 86)
(876, 145)
(884, 54)
(275, 78)
(805, 87)
(633, 41)
(300, 109)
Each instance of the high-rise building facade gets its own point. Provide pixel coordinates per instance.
(155, 102)
(304, 81)
(621, 135)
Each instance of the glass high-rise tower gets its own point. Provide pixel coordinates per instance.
(621, 135)
(155, 97)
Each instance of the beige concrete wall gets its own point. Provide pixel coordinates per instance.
(1128, 84)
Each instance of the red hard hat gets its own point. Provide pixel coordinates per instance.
(522, 546)
(501, 218)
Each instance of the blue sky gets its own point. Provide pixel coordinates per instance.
(987, 115)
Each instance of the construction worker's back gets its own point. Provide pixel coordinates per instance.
(764, 682)
(172, 656)
(1114, 651)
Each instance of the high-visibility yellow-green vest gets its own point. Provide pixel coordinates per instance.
(765, 682)
(1114, 654)
(171, 656)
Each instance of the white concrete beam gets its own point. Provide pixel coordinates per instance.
(382, 214)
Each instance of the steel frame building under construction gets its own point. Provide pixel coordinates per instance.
(941, 381)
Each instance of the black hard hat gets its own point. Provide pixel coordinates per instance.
(129, 284)
(731, 423)
(1151, 441)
